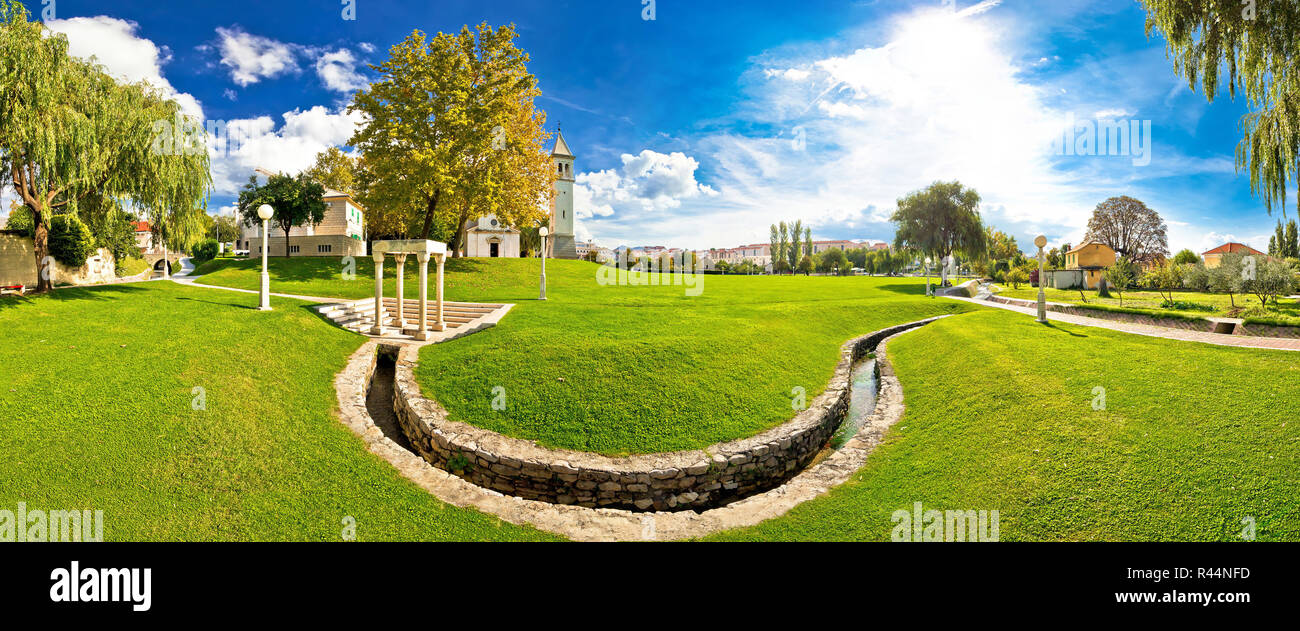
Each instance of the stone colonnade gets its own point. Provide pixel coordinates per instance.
(423, 251)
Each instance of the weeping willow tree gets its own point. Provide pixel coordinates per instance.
(75, 141)
(1256, 44)
(939, 221)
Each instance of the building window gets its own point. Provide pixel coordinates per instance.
(324, 249)
(293, 249)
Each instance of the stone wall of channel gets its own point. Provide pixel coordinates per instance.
(685, 480)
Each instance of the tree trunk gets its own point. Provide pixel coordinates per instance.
(458, 237)
(286, 241)
(430, 208)
(41, 246)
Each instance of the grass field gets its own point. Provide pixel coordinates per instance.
(1196, 304)
(632, 369)
(1193, 439)
(97, 412)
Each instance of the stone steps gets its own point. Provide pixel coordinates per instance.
(358, 316)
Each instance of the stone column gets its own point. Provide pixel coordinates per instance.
(378, 329)
(423, 333)
(440, 325)
(401, 292)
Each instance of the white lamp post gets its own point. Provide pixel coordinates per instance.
(543, 232)
(265, 212)
(1041, 242)
(927, 277)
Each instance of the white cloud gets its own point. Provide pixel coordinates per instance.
(1112, 114)
(338, 71)
(7, 195)
(366, 47)
(942, 95)
(252, 58)
(649, 181)
(791, 74)
(289, 149)
(230, 94)
(114, 43)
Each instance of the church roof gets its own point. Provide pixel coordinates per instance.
(561, 149)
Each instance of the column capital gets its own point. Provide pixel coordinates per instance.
(378, 257)
(423, 257)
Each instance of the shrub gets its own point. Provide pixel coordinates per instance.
(1120, 277)
(1186, 257)
(1268, 279)
(205, 251)
(71, 242)
(1165, 280)
(1196, 277)
(1017, 276)
(20, 221)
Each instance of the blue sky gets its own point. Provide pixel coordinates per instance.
(703, 126)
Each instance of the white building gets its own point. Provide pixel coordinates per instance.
(487, 238)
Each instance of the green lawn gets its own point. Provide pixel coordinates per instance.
(622, 370)
(132, 266)
(999, 409)
(1196, 304)
(1194, 438)
(96, 412)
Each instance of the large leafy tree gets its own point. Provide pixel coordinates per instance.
(941, 220)
(74, 141)
(1130, 228)
(1255, 44)
(452, 133)
(335, 170)
(297, 201)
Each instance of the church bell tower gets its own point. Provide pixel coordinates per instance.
(561, 244)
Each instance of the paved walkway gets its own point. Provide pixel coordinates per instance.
(1220, 339)
(183, 277)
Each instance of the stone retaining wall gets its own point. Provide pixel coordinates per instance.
(686, 480)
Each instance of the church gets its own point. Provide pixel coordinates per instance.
(486, 237)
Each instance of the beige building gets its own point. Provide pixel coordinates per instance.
(822, 246)
(1092, 259)
(340, 233)
(1214, 257)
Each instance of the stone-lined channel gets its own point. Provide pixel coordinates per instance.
(681, 481)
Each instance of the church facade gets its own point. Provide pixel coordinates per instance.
(487, 237)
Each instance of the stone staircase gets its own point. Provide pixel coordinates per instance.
(359, 316)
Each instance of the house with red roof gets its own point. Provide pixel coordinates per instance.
(143, 235)
(1214, 257)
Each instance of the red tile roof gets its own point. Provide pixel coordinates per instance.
(141, 226)
(1229, 248)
